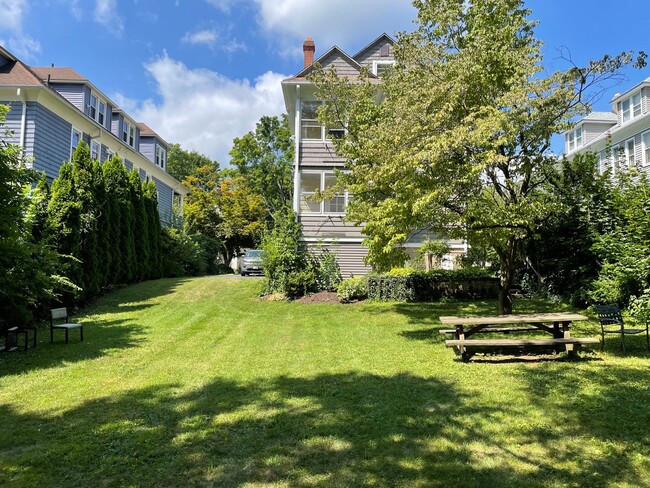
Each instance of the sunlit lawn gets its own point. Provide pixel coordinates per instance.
(198, 383)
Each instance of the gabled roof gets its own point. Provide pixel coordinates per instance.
(373, 43)
(58, 74)
(320, 60)
(601, 117)
(15, 72)
(146, 131)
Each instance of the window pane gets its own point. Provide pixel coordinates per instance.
(310, 182)
(630, 153)
(335, 205)
(307, 206)
(309, 109)
(626, 110)
(312, 130)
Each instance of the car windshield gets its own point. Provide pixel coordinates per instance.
(254, 254)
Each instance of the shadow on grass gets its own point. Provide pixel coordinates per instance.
(103, 330)
(331, 430)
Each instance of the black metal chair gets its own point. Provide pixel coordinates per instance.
(11, 335)
(611, 322)
(59, 320)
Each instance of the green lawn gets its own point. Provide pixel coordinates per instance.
(199, 383)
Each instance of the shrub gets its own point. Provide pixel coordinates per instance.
(328, 271)
(300, 283)
(352, 289)
(406, 285)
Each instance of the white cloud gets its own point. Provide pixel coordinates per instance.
(212, 39)
(204, 110)
(223, 5)
(106, 14)
(356, 23)
(11, 25)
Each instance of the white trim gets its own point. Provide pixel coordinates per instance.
(346, 240)
(323, 174)
(627, 154)
(296, 164)
(378, 62)
(99, 149)
(645, 148)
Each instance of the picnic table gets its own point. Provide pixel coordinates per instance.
(557, 324)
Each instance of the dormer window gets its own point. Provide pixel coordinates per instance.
(125, 131)
(101, 113)
(97, 109)
(132, 136)
(574, 139)
(630, 108)
(161, 156)
(92, 108)
(380, 67)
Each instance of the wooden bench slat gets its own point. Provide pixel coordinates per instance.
(496, 330)
(513, 319)
(518, 342)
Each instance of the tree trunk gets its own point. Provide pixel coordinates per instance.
(508, 257)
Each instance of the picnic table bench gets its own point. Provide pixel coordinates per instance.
(557, 324)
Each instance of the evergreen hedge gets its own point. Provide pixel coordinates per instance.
(405, 285)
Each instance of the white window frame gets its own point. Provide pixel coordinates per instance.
(109, 154)
(161, 156)
(630, 158)
(323, 174)
(125, 131)
(72, 133)
(634, 110)
(645, 146)
(575, 139)
(131, 141)
(380, 62)
(95, 142)
(310, 123)
(101, 114)
(92, 107)
(618, 157)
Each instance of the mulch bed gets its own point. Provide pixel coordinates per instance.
(320, 297)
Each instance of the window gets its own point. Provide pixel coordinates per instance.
(629, 152)
(645, 140)
(618, 158)
(161, 156)
(319, 181)
(109, 153)
(74, 140)
(125, 131)
(630, 108)
(132, 136)
(574, 139)
(380, 67)
(101, 114)
(310, 129)
(92, 108)
(94, 150)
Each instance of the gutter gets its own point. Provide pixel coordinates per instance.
(296, 173)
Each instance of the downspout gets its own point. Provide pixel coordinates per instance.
(23, 120)
(296, 169)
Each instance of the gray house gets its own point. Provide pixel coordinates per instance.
(323, 222)
(52, 109)
(620, 138)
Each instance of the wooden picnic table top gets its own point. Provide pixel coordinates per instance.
(530, 318)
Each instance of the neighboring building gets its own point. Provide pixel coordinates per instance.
(620, 138)
(52, 109)
(323, 223)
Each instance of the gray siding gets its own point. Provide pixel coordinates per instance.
(350, 256)
(128, 164)
(148, 148)
(143, 174)
(165, 201)
(590, 131)
(116, 125)
(75, 94)
(328, 226)
(373, 53)
(319, 154)
(343, 66)
(51, 139)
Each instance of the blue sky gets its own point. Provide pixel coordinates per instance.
(201, 72)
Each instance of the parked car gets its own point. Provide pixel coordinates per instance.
(251, 262)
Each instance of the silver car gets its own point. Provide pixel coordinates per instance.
(251, 262)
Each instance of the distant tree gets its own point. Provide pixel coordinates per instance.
(265, 157)
(154, 230)
(182, 163)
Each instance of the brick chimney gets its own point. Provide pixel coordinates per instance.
(308, 49)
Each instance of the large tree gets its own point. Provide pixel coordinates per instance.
(182, 163)
(264, 158)
(460, 142)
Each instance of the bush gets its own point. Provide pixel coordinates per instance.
(328, 271)
(183, 254)
(352, 289)
(406, 285)
(300, 283)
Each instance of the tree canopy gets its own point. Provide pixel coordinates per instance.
(460, 143)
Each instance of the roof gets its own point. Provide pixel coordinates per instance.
(15, 73)
(333, 50)
(383, 36)
(601, 117)
(58, 74)
(146, 131)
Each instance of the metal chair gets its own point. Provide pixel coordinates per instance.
(610, 316)
(59, 320)
(11, 335)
